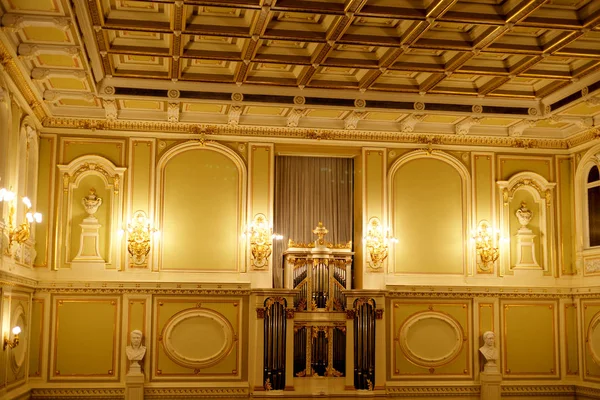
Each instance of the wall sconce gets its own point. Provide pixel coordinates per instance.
(12, 343)
(261, 237)
(21, 233)
(487, 253)
(140, 233)
(377, 242)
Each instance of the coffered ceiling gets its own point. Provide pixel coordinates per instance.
(527, 68)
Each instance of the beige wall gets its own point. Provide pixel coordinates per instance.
(197, 283)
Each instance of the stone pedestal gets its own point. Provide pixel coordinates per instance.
(490, 385)
(526, 249)
(89, 241)
(134, 383)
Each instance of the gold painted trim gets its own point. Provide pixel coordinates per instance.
(492, 216)
(559, 222)
(133, 143)
(66, 141)
(314, 134)
(465, 200)
(431, 363)
(569, 372)
(143, 327)
(586, 346)
(219, 357)
(38, 373)
(502, 158)
(430, 305)
(270, 149)
(241, 196)
(156, 373)
(57, 301)
(506, 373)
(51, 197)
(482, 305)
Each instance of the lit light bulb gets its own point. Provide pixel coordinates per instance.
(37, 217)
(16, 330)
(27, 202)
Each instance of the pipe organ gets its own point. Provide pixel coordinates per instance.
(317, 278)
(274, 343)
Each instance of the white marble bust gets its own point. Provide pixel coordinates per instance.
(135, 351)
(489, 351)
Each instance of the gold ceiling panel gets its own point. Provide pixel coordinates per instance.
(582, 109)
(33, 6)
(142, 105)
(204, 108)
(518, 53)
(74, 102)
(258, 110)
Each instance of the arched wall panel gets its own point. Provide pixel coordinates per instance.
(201, 206)
(429, 217)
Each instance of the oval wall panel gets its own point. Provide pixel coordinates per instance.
(593, 338)
(431, 339)
(198, 338)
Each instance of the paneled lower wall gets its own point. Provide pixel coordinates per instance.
(203, 341)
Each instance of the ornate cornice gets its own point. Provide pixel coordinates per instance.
(168, 288)
(583, 137)
(495, 292)
(194, 393)
(90, 393)
(306, 133)
(433, 391)
(591, 392)
(8, 279)
(538, 390)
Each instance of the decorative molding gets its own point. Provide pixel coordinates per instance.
(538, 390)
(463, 127)
(188, 360)
(408, 124)
(592, 392)
(592, 265)
(8, 279)
(233, 118)
(437, 361)
(94, 393)
(301, 133)
(173, 112)
(457, 292)
(351, 121)
(193, 393)
(432, 391)
(294, 117)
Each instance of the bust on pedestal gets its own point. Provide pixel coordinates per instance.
(134, 381)
(490, 377)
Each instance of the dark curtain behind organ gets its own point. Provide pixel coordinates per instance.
(309, 190)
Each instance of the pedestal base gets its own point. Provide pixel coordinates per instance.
(89, 241)
(490, 385)
(134, 383)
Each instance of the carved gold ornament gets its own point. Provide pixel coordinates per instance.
(18, 233)
(260, 234)
(139, 236)
(486, 246)
(377, 242)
